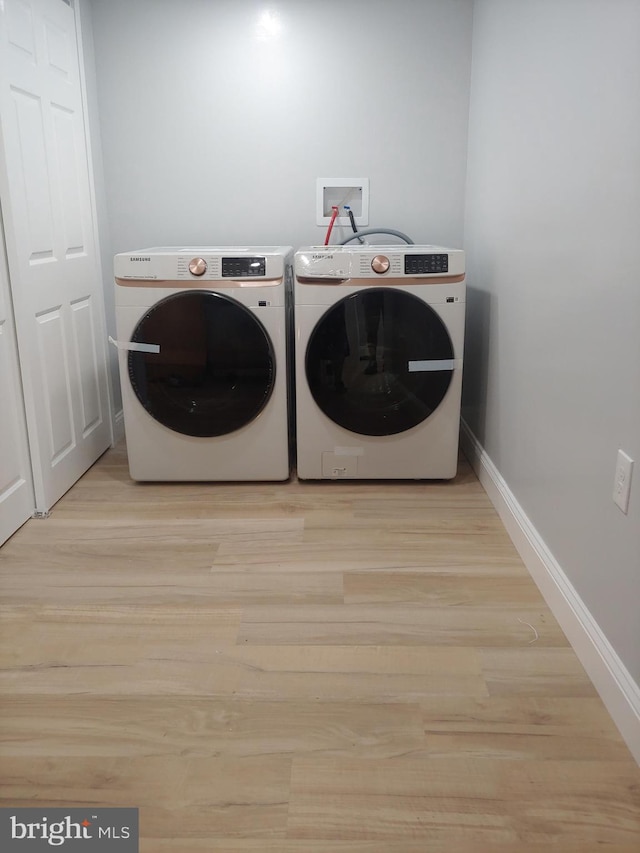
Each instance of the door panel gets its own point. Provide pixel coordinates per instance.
(67, 158)
(55, 375)
(31, 171)
(49, 226)
(20, 32)
(86, 364)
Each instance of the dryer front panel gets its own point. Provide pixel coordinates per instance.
(213, 370)
(379, 362)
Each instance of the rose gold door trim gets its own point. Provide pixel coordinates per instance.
(197, 284)
(380, 282)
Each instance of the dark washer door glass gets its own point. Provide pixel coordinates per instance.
(379, 362)
(215, 369)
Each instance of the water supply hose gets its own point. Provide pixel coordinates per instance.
(377, 231)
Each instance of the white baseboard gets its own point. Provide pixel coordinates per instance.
(618, 690)
(118, 427)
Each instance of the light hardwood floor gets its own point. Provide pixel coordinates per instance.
(300, 668)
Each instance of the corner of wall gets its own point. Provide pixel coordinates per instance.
(617, 689)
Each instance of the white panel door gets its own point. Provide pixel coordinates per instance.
(16, 484)
(49, 226)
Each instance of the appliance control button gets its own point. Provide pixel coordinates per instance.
(380, 264)
(197, 266)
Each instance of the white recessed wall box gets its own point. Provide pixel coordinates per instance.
(353, 192)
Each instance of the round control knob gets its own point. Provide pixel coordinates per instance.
(380, 264)
(197, 266)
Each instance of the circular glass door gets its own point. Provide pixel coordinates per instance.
(379, 362)
(215, 368)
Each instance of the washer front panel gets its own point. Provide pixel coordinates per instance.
(379, 362)
(215, 369)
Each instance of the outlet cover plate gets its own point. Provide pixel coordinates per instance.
(341, 191)
(622, 482)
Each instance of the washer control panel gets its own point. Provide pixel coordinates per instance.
(379, 262)
(426, 263)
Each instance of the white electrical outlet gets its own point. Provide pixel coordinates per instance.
(622, 483)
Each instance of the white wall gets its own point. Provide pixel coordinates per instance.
(92, 122)
(212, 136)
(552, 378)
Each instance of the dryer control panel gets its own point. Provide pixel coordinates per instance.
(243, 267)
(198, 264)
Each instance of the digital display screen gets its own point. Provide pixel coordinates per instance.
(243, 267)
(417, 264)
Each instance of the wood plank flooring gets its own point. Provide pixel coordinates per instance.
(300, 668)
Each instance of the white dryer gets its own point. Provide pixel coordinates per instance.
(202, 338)
(379, 335)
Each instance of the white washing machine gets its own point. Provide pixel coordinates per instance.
(379, 335)
(202, 338)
